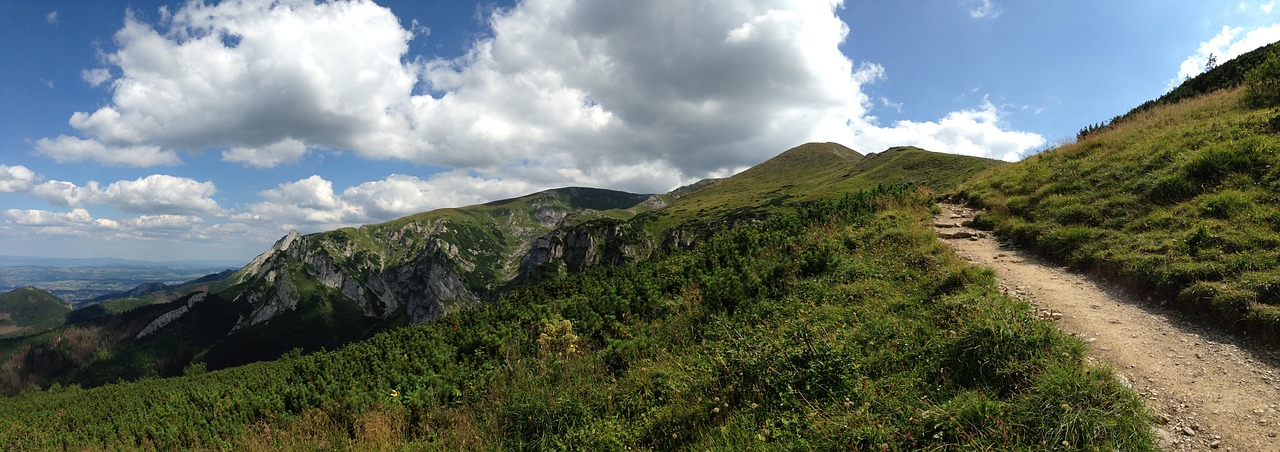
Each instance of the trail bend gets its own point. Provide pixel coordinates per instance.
(1207, 389)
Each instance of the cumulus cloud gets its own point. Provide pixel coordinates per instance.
(309, 200)
(249, 74)
(159, 193)
(79, 222)
(270, 156)
(694, 86)
(166, 222)
(16, 178)
(313, 204)
(1229, 43)
(95, 77)
(35, 217)
(154, 194)
(51, 18)
(65, 149)
(969, 132)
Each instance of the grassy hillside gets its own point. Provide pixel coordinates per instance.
(1182, 199)
(839, 324)
(30, 310)
(811, 172)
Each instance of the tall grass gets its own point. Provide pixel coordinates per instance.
(1182, 200)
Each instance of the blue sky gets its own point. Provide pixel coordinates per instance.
(169, 130)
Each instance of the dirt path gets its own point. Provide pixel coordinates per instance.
(1208, 391)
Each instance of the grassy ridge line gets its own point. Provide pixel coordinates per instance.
(844, 325)
(1183, 200)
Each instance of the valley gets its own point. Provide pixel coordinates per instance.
(78, 283)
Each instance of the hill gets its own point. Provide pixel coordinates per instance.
(814, 171)
(312, 292)
(803, 303)
(1180, 198)
(835, 323)
(30, 310)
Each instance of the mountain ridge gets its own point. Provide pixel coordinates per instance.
(350, 282)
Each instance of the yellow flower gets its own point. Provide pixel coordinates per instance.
(395, 393)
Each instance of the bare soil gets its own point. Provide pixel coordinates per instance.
(1208, 390)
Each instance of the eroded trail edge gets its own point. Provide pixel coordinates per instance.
(1206, 391)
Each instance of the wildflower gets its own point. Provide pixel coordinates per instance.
(395, 393)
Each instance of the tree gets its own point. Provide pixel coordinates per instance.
(1262, 83)
(1212, 63)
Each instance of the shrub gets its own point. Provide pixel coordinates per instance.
(1262, 83)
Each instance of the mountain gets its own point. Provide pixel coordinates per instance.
(30, 310)
(425, 265)
(804, 304)
(1180, 198)
(316, 291)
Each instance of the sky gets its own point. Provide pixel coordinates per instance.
(171, 130)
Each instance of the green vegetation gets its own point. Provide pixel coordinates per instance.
(1262, 83)
(808, 173)
(1183, 200)
(30, 310)
(839, 324)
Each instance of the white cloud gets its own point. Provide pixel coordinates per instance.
(166, 222)
(67, 194)
(72, 149)
(251, 74)
(16, 178)
(270, 156)
(400, 195)
(309, 200)
(969, 132)
(311, 204)
(47, 218)
(159, 194)
(51, 18)
(154, 194)
(95, 77)
(982, 9)
(1267, 7)
(1229, 43)
(641, 96)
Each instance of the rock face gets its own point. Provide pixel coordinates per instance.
(427, 286)
(575, 249)
(432, 264)
(169, 317)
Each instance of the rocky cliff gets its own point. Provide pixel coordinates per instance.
(434, 263)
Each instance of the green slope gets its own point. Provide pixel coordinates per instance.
(841, 324)
(1181, 198)
(816, 171)
(30, 310)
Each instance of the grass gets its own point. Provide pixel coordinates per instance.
(842, 324)
(808, 173)
(1182, 200)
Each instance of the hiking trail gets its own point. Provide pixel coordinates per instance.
(1209, 390)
